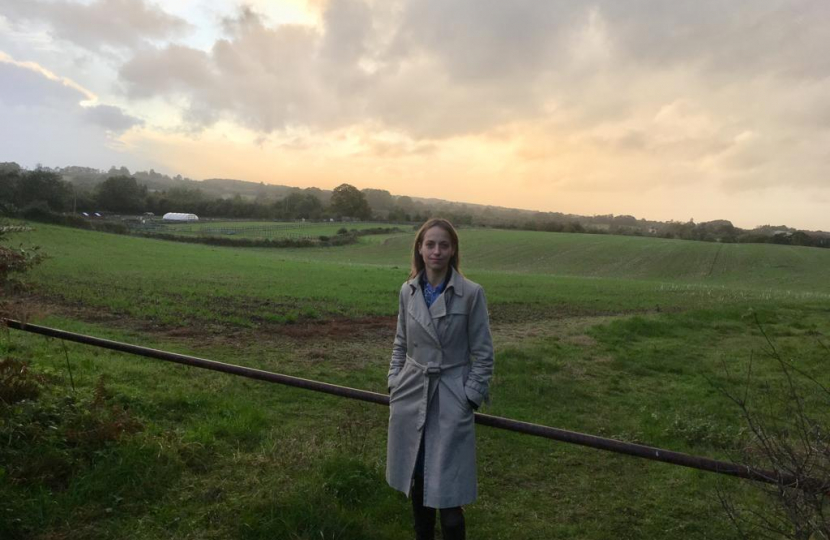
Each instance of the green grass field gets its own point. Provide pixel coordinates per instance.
(183, 284)
(258, 229)
(618, 336)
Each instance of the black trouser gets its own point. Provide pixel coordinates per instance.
(452, 519)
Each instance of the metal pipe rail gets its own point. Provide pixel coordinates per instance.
(562, 435)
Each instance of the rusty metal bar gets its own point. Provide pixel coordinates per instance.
(562, 435)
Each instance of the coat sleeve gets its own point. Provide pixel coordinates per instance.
(481, 349)
(399, 345)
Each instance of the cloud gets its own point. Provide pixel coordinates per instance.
(168, 71)
(29, 85)
(111, 118)
(21, 75)
(437, 69)
(740, 37)
(642, 92)
(264, 78)
(113, 23)
(43, 115)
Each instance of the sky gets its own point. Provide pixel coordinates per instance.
(662, 110)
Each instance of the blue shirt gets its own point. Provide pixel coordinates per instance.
(432, 293)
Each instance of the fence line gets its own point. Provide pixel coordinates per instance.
(562, 435)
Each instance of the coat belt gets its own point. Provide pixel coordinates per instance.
(429, 371)
(432, 369)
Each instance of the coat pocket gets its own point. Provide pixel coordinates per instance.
(456, 386)
(396, 382)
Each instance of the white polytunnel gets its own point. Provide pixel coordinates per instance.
(178, 216)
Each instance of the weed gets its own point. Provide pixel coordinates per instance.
(18, 382)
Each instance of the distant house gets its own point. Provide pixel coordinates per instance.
(178, 216)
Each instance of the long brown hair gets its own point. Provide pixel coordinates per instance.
(418, 261)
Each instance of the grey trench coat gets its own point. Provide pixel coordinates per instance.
(441, 358)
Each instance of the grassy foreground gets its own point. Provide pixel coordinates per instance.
(143, 449)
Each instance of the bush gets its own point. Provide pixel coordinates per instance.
(15, 261)
(18, 382)
(42, 214)
(251, 242)
(111, 227)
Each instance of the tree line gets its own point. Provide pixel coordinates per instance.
(27, 193)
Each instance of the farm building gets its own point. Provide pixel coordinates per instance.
(177, 216)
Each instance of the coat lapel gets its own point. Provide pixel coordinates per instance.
(418, 309)
(438, 308)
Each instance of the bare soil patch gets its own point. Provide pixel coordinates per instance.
(340, 328)
(344, 342)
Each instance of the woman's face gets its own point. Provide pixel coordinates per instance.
(436, 249)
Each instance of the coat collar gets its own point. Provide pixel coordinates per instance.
(418, 308)
(456, 283)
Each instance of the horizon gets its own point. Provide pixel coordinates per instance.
(685, 112)
(645, 218)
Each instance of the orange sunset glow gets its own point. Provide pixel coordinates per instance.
(662, 111)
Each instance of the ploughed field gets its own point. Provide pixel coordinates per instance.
(624, 337)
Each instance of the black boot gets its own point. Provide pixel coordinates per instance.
(452, 523)
(423, 515)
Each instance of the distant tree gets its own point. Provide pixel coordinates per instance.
(120, 171)
(121, 194)
(380, 200)
(188, 199)
(324, 196)
(9, 166)
(348, 201)
(9, 180)
(43, 186)
(406, 203)
(574, 227)
(299, 205)
(625, 220)
(398, 214)
(801, 238)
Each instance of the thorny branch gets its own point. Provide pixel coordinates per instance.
(787, 437)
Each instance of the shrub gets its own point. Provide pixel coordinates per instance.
(15, 261)
(18, 382)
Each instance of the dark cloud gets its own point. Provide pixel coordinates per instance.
(725, 38)
(264, 78)
(114, 23)
(111, 118)
(167, 71)
(486, 40)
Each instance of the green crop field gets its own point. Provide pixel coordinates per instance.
(630, 338)
(257, 229)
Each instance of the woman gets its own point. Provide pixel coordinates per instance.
(442, 361)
